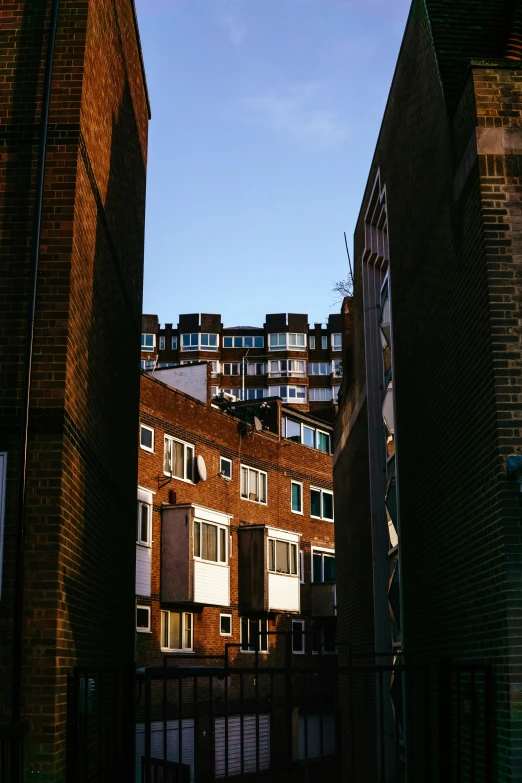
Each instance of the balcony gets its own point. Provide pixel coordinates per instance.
(194, 555)
(323, 599)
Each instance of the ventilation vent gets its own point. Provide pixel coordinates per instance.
(513, 50)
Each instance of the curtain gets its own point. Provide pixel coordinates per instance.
(282, 557)
(209, 542)
(177, 459)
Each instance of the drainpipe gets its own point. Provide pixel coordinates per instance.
(26, 388)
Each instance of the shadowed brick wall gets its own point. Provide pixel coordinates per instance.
(79, 561)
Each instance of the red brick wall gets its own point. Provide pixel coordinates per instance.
(79, 562)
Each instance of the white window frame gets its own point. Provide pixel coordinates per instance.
(221, 633)
(288, 398)
(241, 640)
(257, 396)
(311, 342)
(235, 337)
(326, 365)
(184, 615)
(334, 335)
(235, 392)
(277, 371)
(300, 485)
(322, 491)
(321, 550)
(313, 395)
(300, 623)
(225, 459)
(172, 439)
(3, 472)
(144, 504)
(260, 473)
(287, 344)
(301, 567)
(231, 366)
(144, 346)
(289, 544)
(148, 628)
(214, 367)
(162, 342)
(199, 558)
(147, 448)
(252, 369)
(174, 343)
(316, 430)
(324, 342)
(198, 345)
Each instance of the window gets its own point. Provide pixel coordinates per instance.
(311, 342)
(337, 342)
(174, 343)
(253, 484)
(162, 343)
(179, 459)
(255, 394)
(324, 342)
(305, 434)
(148, 341)
(143, 619)
(144, 532)
(244, 342)
(225, 467)
(225, 624)
(255, 368)
(287, 341)
(335, 393)
(214, 391)
(235, 368)
(288, 367)
(210, 542)
(282, 557)
(254, 635)
(296, 489)
(321, 504)
(320, 395)
(147, 364)
(146, 438)
(337, 367)
(295, 394)
(176, 631)
(301, 567)
(234, 392)
(195, 342)
(298, 638)
(323, 566)
(319, 368)
(323, 639)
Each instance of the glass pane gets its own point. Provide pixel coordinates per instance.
(238, 342)
(227, 342)
(146, 438)
(197, 539)
(244, 482)
(225, 624)
(262, 488)
(327, 505)
(329, 636)
(297, 636)
(308, 436)
(282, 557)
(329, 568)
(222, 545)
(189, 460)
(144, 531)
(212, 339)
(164, 629)
(271, 555)
(317, 568)
(252, 484)
(263, 637)
(296, 497)
(300, 339)
(204, 339)
(177, 459)
(244, 633)
(185, 339)
(248, 342)
(315, 503)
(175, 639)
(167, 459)
(293, 430)
(209, 542)
(142, 618)
(323, 441)
(226, 468)
(188, 631)
(324, 342)
(260, 369)
(312, 342)
(293, 559)
(259, 342)
(274, 339)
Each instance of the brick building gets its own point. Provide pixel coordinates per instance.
(240, 555)
(431, 404)
(67, 585)
(285, 358)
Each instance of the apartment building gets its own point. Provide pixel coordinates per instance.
(235, 537)
(428, 507)
(68, 410)
(286, 357)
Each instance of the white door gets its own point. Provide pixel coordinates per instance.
(187, 743)
(313, 732)
(234, 744)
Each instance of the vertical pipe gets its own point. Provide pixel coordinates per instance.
(26, 386)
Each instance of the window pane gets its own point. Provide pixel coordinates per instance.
(189, 462)
(263, 638)
(164, 629)
(293, 558)
(252, 483)
(300, 339)
(296, 497)
(174, 343)
(262, 488)
(329, 568)
(167, 457)
(177, 459)
(282, 557)
(311, 341)
(324, 342)
(175, 639)
(317, 570)
(185, 339)
(271, 555)
(309, 436)
(209, 542)
(248, 342)
(244, 633)
(197, 539)
(142, 618)
(188, 631)
(259, 342)
(225, 624)
(327, 505)
(323, 441)
(146, 437)
(226, 467)
(204, 339)
(227, 342)
(315, 503)
(222, 545)
(244, 482)
(212, 339)
(238, 342)
(293, 430)
(144, 531)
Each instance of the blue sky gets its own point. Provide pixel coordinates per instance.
(265, 115)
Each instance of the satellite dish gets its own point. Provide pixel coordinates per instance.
(202, 468)
(257, 424)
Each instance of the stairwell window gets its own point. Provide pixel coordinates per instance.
(162, 343)
(253, 485)
(254, 635)
(178, 459)
(174, 342)
(321, 504)
(296, 490)
(311, 342)
(176, 631)
(282, 557)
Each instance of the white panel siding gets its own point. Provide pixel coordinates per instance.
(211, 584)
(187, 744)
(283, 535)
(234, 744)
(313, 732)
(283, 592)
(143, 569)
(209, 515)
(190, 379)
